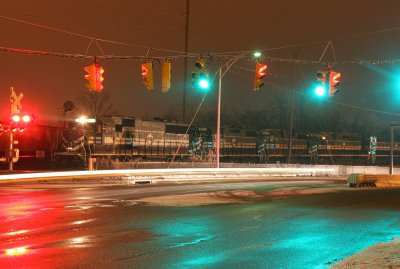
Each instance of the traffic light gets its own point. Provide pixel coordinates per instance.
(165, 76)
(19, 121)
(94, 77)
(147, 75)
(99, 78)
(259, 75)
(90, 77)
(333, 81)
(320, 88)
(321, 76)
(200, 77)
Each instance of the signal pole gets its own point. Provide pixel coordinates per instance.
(15, 107)
(291, 111)
(186, 62)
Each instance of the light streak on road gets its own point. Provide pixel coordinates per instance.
(17, 232)
(169, 172)
(16, 251)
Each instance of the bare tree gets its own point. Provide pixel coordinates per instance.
(95, 104)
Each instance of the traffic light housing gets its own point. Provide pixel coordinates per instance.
(259, 75)
(333, 82)
(99, 78)
(321, 76)
(94, 77)
(19, 121)
(165, 76)
(147, 75)
(320, 88)
(328, 81)
(200, 76)
(90, 77)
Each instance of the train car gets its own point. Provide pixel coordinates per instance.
(122, 138)
(112, 138)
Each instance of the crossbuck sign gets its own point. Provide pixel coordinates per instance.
(15, 101)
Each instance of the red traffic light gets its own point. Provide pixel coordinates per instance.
(147, 75)
(94, 77)
(261, 70)
(260, 73)
(99, 78)
(334, 79)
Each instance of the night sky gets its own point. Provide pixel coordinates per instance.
(359, 30)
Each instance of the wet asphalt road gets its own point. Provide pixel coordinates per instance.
(103, 226)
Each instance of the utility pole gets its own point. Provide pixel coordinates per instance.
(217, 146)
(291, 110)
(391, 147)
(186, 61)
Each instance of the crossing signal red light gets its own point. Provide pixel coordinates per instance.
(261, 71)
(94, 77)
(20, 121)
(147, 75)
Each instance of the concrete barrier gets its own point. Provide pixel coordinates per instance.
(369, 180)
(326, 170)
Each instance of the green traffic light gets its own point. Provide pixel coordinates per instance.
(204, 83)
(320, 91)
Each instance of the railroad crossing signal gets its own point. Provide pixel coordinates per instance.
(19, 121)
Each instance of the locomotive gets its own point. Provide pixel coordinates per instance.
(72, 144)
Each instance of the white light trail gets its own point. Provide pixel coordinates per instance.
(164, 172)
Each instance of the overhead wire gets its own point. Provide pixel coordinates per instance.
(85, 36)
(98, 22)
(91, 7)
(221, 55)
(330, 101)
(191, 121)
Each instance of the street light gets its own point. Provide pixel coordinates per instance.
(257, 54)
(221, 74)
(84, 119)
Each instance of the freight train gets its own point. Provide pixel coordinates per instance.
(128, 139)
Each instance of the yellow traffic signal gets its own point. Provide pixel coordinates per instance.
(165, 76)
